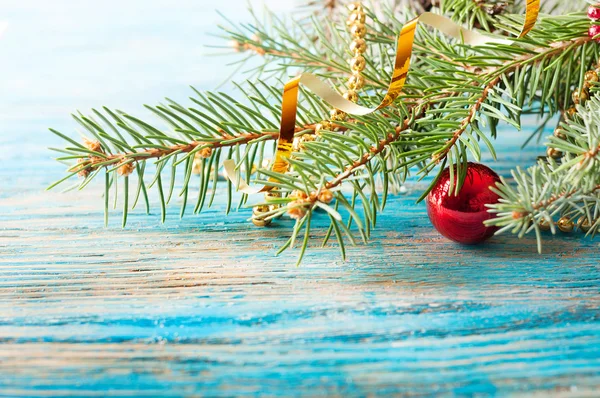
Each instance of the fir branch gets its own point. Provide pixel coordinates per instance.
(377, 149)
(437, 121)
(501, 71)
(157, 153)
(476, 13)
(564, 196)
(254, 45)
(569, 188)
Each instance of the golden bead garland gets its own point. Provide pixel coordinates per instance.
(566, 224)
(358, 46)
(578, 97)
(260, 212)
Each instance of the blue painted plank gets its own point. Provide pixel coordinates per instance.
(201, 306)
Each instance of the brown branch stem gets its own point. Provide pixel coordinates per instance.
(554, 198)
(499, 71)
(156, 153)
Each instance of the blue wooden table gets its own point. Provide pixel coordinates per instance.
(201, 306)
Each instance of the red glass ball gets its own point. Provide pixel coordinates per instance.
(460, 218)
(594, 13)
(593, 31)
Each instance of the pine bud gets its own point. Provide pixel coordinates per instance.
(326, 196)
(126, 169)
(81, 163)
(296, 210)
(516, 215)
(308, 138)
(324, 125)
(337, 114)
(237, 46)
(205, 152)
(299, 194)
(92, 145)
(197, 164)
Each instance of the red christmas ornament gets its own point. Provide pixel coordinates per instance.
(593, 31)
(460, 218)
(594, 13)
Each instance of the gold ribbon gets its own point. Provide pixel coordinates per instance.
(289, 106)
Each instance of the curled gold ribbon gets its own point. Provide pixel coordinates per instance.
(289, 106)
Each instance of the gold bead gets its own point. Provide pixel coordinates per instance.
(559, 134)
(580, 96)
(544, 225)
(583, 224)
(591, 76)
(358, 63)
(351, 96)
(355, 6)
(565, 224)
(260, 222)
(258, 213)
(356, 82)
(337, 114)
(357, 16)
(324, 125)
(358, 30)
(553, 153)
(358, 46)
(272, 194)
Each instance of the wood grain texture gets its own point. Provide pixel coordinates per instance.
(202, 307)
